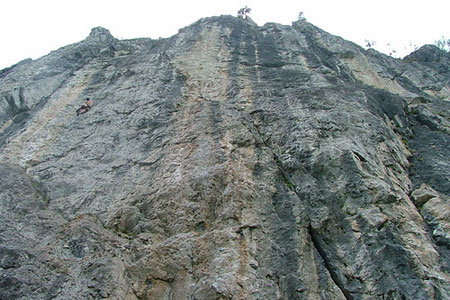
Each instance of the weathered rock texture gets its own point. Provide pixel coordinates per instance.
(230, 161)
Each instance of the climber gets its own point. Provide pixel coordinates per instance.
(85, 107)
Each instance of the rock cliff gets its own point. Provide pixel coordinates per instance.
(230, 161)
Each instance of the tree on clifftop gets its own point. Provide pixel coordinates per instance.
(242, 13)
(443, 44)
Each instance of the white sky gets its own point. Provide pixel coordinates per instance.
(33, 28)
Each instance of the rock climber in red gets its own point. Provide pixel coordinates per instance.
(85, 107)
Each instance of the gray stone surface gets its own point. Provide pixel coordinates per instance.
(229, 161)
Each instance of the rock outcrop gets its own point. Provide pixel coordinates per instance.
(229, 161)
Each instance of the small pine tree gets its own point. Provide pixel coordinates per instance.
(243, 12)
(443, 44)
(301, 16)
(370, 44)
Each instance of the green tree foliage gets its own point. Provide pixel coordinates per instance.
(443, 44)
(243, 12)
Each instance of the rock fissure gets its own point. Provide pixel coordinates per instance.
(333, 274)
(259, 138)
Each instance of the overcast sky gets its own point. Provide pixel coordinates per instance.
(33, 28)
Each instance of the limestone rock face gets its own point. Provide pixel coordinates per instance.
(229, 161)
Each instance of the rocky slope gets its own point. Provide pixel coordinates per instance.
(229, 161)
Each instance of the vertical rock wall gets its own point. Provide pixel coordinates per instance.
(230, 161)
